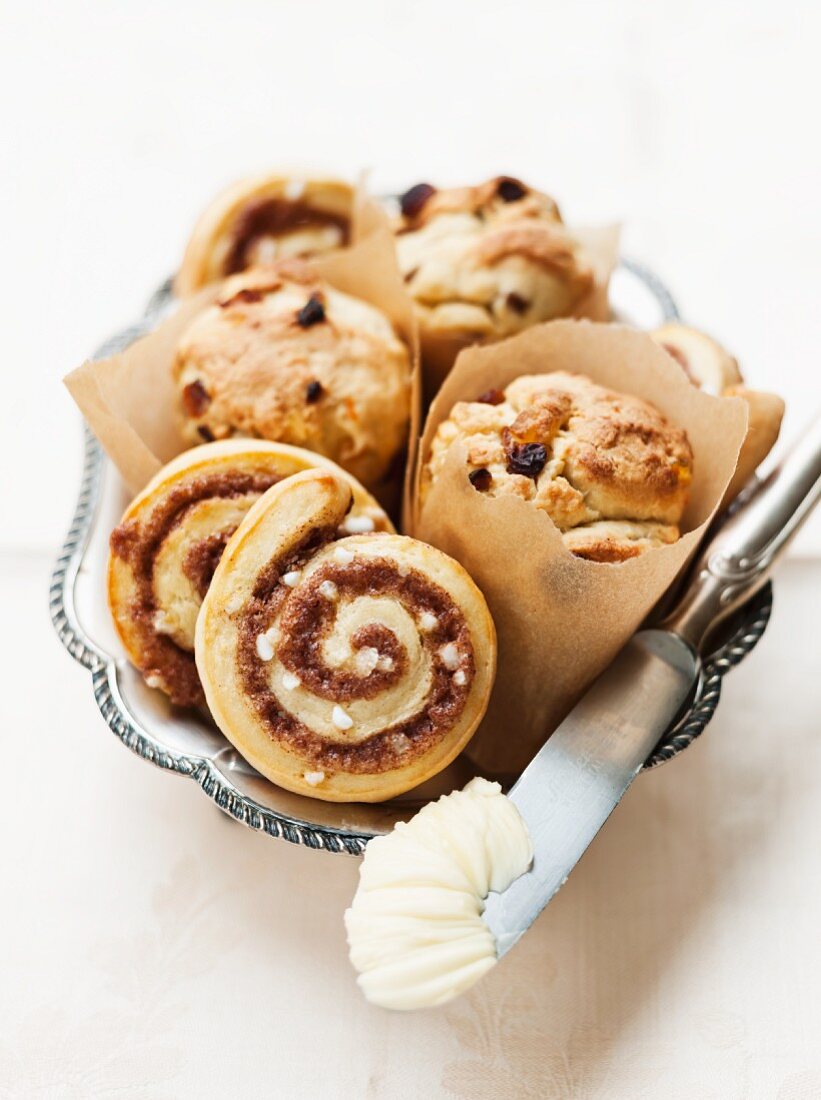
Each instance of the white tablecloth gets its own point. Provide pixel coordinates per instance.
(153, 948)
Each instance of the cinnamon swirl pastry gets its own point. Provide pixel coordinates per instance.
(263, 219)
(165, 550)
(710, 366)
(346, 667)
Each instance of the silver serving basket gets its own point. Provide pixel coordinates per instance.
(186, 743)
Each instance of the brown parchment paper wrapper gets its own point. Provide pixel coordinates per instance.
(765, 413)
(601, 246)
(130, 400)
(560, 619)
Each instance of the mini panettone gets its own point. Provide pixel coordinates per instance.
(711, 367)
(264, 219)
(610, 471)
(283, 356)
(485, 262)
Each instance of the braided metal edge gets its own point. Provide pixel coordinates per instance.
(654, 284)
(708, 693)
(161, 299)
(231, 801)
(61, 607)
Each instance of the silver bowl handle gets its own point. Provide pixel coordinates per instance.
(737, 562)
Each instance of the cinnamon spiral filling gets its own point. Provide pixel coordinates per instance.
(166, 652)
(274, 218)
(367, 629)
(202, 558)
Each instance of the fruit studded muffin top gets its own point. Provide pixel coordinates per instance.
(488, 261)
(284, 356)
(610, 471)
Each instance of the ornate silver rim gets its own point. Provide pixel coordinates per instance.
(243, 809)
(756, 615)
(109, 702)
(665, 299)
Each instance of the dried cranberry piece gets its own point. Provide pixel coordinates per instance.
(414, 199)
(312, 312)
(526, 458)
(491, 397)
(481, 479)
(195, 398)
(510, 190)
(517, 303)
(313, 392)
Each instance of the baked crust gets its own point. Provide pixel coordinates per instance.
(484, 262)
(168, 543)
(705, 362)
(610, 471)
(263, 219)
(347, 668)
(617, 540)
(284, 356)
(710, 366)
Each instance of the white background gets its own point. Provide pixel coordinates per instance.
(696, 124)
(151, 948)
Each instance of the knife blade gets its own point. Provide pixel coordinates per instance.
(575, 781)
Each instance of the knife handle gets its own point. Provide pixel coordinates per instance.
(738, 560)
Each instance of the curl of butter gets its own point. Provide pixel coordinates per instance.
(415, 928)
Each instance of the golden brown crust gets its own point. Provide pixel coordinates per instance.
(262, 219)
(543, 244)
(710, 366)
(484, 200)
(284, 356)
(705, 362)
(610, 471)
(348, 668)
(614, 541)
(484, 262)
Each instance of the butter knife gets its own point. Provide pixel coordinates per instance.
(575, 781)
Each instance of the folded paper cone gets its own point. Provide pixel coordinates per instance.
(561, 619)
(766, 411)
(131, 402)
